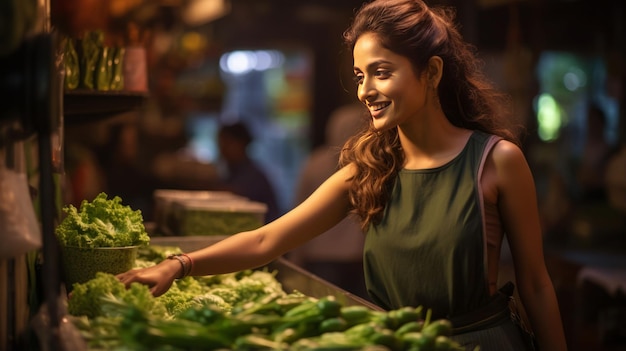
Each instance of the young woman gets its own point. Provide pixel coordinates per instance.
(437, 181)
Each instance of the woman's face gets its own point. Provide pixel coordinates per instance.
(387, 83)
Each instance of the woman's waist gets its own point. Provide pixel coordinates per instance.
(492, 313)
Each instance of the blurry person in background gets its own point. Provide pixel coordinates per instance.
(242, 175)
(337, 255)
(594, 158)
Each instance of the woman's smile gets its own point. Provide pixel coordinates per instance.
(376, 109)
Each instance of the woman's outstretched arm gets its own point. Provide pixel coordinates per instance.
(327, 206)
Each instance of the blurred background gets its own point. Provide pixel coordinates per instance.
(280, 68)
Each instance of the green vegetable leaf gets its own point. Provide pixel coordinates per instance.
(102, 223)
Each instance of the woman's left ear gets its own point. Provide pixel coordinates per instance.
(435, 70)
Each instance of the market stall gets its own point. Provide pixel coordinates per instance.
(59, 78)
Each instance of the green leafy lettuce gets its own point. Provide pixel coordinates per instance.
(87, 298)
(102, 223)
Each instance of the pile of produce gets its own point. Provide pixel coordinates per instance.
(225, 218)
(247, 310)
(101, 236)
(91, 63)
(103, 222)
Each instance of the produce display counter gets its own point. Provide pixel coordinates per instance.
(291, 276)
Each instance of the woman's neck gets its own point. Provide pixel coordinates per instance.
(429, 145)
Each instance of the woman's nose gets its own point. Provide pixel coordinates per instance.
(365, 91)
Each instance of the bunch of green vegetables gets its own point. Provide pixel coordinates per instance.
(247, 310)
(99, 305)
(92, 64)
(102, 222)
(290, 322)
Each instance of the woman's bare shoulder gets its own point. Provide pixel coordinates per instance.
(510, 166)
(506, 154)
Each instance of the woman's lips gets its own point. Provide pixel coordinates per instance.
(378, 109)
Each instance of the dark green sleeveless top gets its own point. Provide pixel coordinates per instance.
(429, 248)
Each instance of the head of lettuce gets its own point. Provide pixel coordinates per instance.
(102, 222)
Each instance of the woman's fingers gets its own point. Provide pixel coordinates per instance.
(122, 277)
(146, 276)
(131, 276)
(156, 291)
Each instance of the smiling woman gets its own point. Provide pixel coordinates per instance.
(449, 180)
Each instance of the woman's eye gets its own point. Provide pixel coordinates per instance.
(358, 79)
(382, 74)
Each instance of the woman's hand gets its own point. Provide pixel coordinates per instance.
(158, 278)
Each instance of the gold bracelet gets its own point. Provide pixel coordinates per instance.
(182, 263)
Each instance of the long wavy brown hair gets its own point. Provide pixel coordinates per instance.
(468, 99)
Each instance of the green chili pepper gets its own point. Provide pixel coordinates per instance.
(408, 314)
(443, 343)
(415, 326)
(329, 307)
(333, 324)
(70, 61)
(301, 309)
(385, 337)
(91, 45)
(356, 314)
(418, 340)
(117, 70)
(438, 327)
(295, 331)
(362, 330)
(103, 70)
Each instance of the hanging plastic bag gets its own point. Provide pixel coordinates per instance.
(19, 228)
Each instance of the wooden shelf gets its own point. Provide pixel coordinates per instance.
(83, 106)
